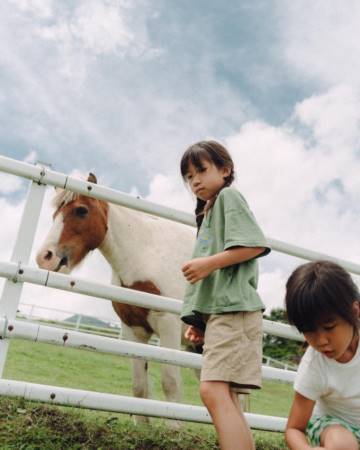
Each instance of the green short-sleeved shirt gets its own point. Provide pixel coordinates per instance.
(229, 223)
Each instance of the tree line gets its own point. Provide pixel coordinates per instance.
(282, 349)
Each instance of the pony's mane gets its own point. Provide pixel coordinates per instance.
(63, 197)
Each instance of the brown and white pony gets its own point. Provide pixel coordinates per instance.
(144, 252)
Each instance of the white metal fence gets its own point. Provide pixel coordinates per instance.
(17, 271)
(69, 319)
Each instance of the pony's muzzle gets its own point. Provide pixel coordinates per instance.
(49, 259)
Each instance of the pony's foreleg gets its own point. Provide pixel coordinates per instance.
(168, 328)
(140, 380)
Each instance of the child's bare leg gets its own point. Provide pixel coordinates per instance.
(336, 437)
(229, 421)
(237, 403)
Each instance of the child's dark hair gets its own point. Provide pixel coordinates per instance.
(212, 152)
(318, 291)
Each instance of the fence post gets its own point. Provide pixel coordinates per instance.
(78, 321)
(11, 294)
(31, 313)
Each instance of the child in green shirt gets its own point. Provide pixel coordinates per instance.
(221, 304)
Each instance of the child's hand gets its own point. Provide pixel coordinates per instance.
(194, 335)
(197, 269)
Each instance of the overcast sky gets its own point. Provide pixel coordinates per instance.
(122, 87)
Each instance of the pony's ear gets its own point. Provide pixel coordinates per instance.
(92, 178)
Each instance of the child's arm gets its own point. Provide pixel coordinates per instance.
(300, 413)
(199, 268)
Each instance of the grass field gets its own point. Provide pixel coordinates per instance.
(89, 370)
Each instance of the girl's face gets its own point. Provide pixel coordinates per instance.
(206, 182)
(335, 338)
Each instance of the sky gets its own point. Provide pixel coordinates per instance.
(122, 87)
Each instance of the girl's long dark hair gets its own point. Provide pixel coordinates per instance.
(216, 154)
(317, 292)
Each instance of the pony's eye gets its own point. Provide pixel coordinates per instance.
(81, 211)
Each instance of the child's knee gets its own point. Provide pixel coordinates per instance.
(205, 391)
(211, 392)
(337, 437)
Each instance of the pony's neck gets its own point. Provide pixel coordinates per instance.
(118, 241)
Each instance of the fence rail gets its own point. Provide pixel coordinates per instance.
(45, 175)
(118, 403)
(32, 311)
(21, 274)
(104, 344)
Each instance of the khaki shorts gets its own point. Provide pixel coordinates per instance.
(233, 350)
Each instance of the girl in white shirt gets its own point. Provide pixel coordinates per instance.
(322, 301)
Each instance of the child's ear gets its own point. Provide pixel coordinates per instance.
(226, 172)
(356, 308)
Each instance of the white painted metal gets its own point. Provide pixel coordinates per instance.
(53, 178)
(123, 404)
(304, 253)
(85, 287)
(11, 294)
(117, 294)
(282, 330)
(31, 311)
(278, 364)
(20, 168)
(71, 338)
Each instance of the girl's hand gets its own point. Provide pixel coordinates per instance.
(194, 335)
(197, 269)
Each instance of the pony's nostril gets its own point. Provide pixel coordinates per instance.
(48, 255)
(64, 261)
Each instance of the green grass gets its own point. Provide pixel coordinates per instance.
(33, 426)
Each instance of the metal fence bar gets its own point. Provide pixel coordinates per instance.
(11, 294)
(123, 404)
(61, 180)
(48, 176)
(81, 340)
(117, 294)
(114, 324)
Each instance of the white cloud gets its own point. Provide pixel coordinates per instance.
(100, 92)
(320, 39)
(9, 184)
(42, 9)
(169, 190)
(272, 289)
(31, 157)
(96, 26)
(334, 117)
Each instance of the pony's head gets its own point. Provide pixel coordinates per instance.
(80, 225)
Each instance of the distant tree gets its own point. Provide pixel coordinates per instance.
(282, 349)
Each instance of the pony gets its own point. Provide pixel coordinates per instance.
(145, 253)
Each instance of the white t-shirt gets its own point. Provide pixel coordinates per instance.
(334, 386)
